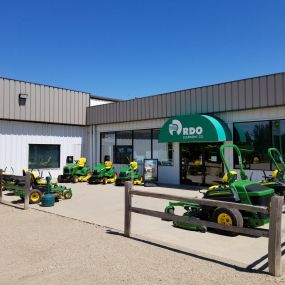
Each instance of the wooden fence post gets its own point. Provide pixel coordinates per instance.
(27, 190)
(274, 241)
(1, 186)
(128, 204)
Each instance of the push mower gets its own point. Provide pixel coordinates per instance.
(239, 191)
(75, 172)
(103, 173)
(128, 173)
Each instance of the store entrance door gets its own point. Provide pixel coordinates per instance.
(200, 163)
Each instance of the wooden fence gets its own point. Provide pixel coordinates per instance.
(26, 187)
(273, 234)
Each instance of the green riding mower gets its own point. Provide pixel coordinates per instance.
(239, 191)
(103, 173)
(37, 191)
(75, 172)
(276, 180)
(129, 173)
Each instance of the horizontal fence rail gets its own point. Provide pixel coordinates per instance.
(274, 212)
(25, 180)
(206, 202)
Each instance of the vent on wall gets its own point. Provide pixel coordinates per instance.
(22, 99)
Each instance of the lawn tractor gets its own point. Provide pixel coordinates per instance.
(239, 191)
(75, 172)
(38, 190)
(103, 173)
(276, 180)
(129, 173)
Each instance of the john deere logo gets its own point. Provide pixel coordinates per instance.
(175, 126)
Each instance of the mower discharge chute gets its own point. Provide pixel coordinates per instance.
(239, 191)
(129, 173)
(75, 172)
(103, 173)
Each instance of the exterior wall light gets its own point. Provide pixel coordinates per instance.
(22, 99)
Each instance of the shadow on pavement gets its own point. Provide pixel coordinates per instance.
(250, 268)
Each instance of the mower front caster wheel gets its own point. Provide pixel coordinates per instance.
(67, 195)
(74, 179)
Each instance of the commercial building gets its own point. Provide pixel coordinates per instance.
(41, 125)
(182, 129)
(192, 124)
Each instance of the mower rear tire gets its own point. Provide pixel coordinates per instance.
(230, 217)
(35, 196)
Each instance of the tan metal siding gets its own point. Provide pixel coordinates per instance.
(228, 91)
(248, 93)
(193, 101)
(263, 92)
(241, 97)
(279, 89)
(255, 93)
(188, 102)
(244, 94)
(235, 95)
(271, 90)
(1, 97)
(222, 98)
(210, 101)
(204, 107)
(198, 101)
(44, 103)
(216, 98)
(6, 99)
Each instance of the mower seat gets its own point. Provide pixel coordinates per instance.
(81, 161)
(108, 164)
(134, 165)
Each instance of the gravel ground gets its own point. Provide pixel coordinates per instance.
(42, 248)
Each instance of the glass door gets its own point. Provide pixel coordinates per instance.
(200, 163)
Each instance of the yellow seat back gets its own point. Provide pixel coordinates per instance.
(134, 165)
(275, 174)
(226, 177)
(34, 174)
(108, 164)
(81, 161)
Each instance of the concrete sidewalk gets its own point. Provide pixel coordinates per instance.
(104, 205)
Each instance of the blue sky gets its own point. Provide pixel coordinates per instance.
(131, 48)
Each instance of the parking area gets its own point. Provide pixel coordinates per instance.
(104, 205)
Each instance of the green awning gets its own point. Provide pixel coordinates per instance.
(195, 128)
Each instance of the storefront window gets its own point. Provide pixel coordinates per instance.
(107, 145)
(253, 139)
(142, 145)
(44, 156)
(161, 151)
(123, 151)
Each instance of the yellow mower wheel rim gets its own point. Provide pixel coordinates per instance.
(225, 219)
(68, 195)
(35, 197)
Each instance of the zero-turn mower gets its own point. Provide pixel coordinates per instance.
(239, 191)
(276, 180)
(38, 189)
(103, 173)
